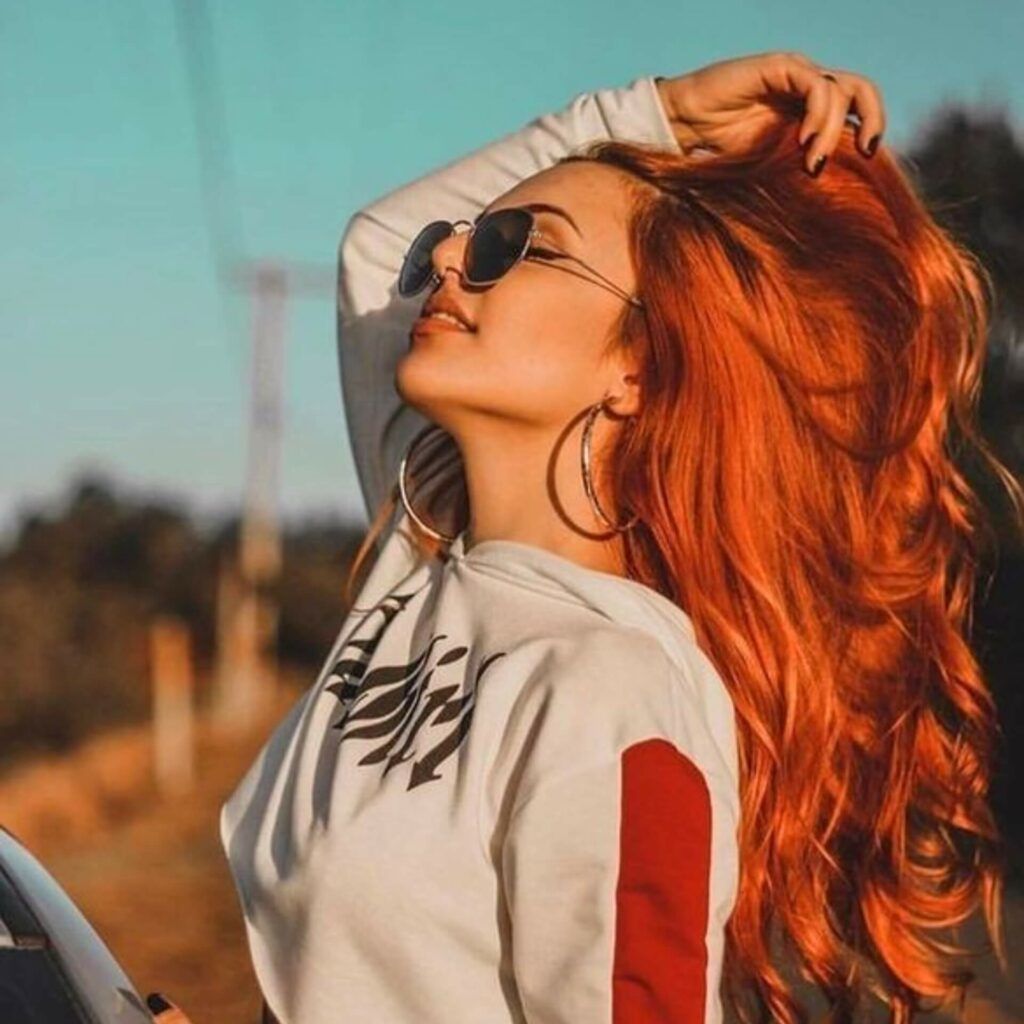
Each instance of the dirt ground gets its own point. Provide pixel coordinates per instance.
(150, 875)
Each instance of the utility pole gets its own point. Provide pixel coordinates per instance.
(247, 613)
(246, 669)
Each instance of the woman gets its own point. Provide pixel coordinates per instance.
(598, 726)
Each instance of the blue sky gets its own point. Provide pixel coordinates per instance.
(120, 351)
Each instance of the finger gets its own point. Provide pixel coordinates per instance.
(832, 126)
(794, 73)
(868, 104)
(164, 1011)
(826, 101)
(818, 103)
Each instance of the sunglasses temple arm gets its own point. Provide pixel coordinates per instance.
(611, 284)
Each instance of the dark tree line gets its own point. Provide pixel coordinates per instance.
(969, 167)
(80, 583)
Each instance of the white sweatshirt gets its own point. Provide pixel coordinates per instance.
(511, 793)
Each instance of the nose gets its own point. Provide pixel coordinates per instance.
(450, 252)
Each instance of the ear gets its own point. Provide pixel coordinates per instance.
(624, 398)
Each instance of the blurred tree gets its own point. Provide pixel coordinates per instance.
(969, 166)
(80, 582)
(317, 554)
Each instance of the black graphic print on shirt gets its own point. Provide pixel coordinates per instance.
(401, 704)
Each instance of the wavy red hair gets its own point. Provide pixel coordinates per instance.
(811, 352)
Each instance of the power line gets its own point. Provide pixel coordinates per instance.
(221, 209)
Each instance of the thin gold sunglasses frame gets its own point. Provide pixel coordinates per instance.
(534, 232)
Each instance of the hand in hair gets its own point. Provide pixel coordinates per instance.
(722, 106)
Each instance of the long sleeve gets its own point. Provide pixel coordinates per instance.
(373, 321)
(614, 855)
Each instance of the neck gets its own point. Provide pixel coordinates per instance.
(528, 487)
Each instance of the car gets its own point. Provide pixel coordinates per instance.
(54, 967)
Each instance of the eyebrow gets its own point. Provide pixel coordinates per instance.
(543, 208)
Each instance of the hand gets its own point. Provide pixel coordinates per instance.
(164, 1011)
(723, 106)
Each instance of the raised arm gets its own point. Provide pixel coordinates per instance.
(373, 321)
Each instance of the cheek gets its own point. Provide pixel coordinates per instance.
(533, 358)
(535, 351)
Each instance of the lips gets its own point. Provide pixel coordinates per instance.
(439, 303)
(438, 324)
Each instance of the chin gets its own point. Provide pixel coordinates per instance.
(424, 381)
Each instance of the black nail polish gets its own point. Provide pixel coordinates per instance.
(872, 144)
(818, 164)
(157, 1003)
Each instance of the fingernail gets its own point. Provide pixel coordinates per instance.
(157, 1003)
(818, 164)
(872, 144)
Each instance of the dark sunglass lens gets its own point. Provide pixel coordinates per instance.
(417, 266)
(497, 242)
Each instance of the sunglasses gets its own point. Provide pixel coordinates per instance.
(497, 242)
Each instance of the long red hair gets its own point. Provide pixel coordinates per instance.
(811, 351)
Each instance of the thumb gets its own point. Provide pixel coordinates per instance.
(164, 1011)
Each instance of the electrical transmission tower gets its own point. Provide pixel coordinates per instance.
(247, 616)
(247, 612)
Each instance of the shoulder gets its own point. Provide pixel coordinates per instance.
(604, 671)
(582, 700)
(612, 676)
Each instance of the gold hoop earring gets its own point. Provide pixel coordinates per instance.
(403, 492)
(585, 465)
(588, 483)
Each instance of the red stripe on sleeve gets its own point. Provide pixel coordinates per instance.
(659, 972)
